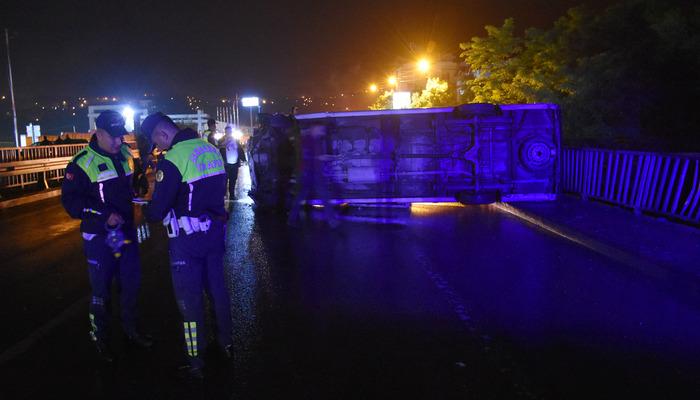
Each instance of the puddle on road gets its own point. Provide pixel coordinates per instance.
(60, 229)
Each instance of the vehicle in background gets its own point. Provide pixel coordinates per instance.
(473, 153)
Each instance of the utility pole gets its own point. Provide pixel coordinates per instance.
(236, 120)
(12, 90)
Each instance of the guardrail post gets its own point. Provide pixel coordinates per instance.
(41, 181)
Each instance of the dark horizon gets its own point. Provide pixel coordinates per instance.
(213, 51)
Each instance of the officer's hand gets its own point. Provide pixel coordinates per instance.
(114, 219)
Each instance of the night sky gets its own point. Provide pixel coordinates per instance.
(215, 48)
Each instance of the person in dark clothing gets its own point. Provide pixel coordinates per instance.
(97, 189)
(189, 199)
(234, 156)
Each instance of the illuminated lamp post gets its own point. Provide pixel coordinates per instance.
(423, 65)
(250, 102)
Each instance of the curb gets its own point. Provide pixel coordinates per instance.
(29, 198)
(677, 281)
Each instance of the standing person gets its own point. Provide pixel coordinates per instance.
(189, 199)
(97, 189)
(210, 133)
(234, 156)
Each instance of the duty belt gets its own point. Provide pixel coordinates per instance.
(190, 225)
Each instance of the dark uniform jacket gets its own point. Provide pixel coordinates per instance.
(202, 197)
(93, 201)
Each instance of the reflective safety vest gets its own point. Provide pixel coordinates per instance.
(100, 168)
(195, 159)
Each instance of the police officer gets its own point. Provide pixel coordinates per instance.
(97, 189)
(210, 134)
(189, 199)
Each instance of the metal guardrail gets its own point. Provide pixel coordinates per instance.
(22, 167)
(662, 184)
(33, 173)
(12, 154)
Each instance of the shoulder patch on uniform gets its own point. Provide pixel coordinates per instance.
(159, 175)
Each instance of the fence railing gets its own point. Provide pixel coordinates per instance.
(36, 167)
(12, 154)
(662, 184)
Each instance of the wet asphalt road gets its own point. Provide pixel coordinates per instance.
(441, 302)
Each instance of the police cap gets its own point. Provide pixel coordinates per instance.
(111, 122)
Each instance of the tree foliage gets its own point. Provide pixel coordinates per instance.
(628, 76)
(383, 101)
(437, 93)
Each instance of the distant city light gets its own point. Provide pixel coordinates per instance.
(250, 102)
(401, 100)
(392, 80)
(423, 65)
(373, 88)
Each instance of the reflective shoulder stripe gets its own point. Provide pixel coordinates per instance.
(91, 211)
(107, 175)
(89, 161)
(213, 173)
(89, 237)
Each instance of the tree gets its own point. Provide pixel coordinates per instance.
(435, 94)
(492, 63)
(384, 101)
(629, 76)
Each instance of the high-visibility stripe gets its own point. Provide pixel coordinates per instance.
(93, 331)
(206, 176)
(102, 193)
(189, 203)
(188, 341)
(89, 161)
(191, 338)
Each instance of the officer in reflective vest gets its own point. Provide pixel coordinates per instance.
(210, 134)
(97, 189)
(189, 199)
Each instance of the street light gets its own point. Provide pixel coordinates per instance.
(392, 80)
(423, 65)
(401, 100)
(250, 102)
(373, 88)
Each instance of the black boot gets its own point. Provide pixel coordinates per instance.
(190, 374)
